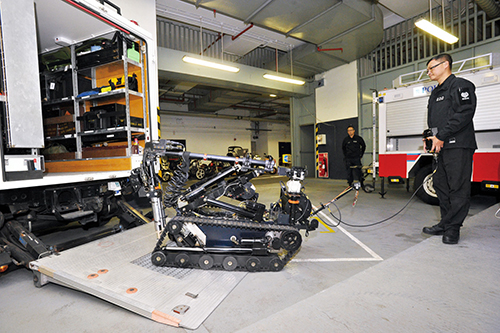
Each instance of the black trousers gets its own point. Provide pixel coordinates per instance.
(452, 182)
(353, 168)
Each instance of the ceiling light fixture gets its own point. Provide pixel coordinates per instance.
(436, 31)
(210, 64)
(284, 79)
(273, 95)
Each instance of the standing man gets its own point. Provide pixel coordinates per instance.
(450, 110)
(353, 147)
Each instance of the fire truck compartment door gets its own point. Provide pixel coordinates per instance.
(20, 70)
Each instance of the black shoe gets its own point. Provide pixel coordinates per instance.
(451, 237)
(434, 230)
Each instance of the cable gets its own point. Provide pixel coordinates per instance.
(339, 219)
(381, 221)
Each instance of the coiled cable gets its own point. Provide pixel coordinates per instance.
(175, 185)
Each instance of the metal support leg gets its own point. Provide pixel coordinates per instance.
(382, 191)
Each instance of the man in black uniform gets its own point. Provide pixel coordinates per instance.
(451, 107)
(353, 147)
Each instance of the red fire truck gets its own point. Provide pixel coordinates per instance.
(403, 118)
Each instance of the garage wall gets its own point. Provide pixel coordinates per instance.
(337, 98)
(214, 135)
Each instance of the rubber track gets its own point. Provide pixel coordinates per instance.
(227, 223)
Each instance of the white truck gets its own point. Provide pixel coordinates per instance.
(78, 101)
(403, 118)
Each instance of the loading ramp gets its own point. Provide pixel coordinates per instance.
(118, 269)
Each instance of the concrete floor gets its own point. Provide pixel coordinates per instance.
(388, 277)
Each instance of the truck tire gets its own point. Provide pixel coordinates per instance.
(426, 193)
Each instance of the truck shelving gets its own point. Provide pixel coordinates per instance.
(76, 108)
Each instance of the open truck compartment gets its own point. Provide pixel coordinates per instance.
(75, 113)
(84, 89)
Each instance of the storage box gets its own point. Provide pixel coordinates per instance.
(108, 116)
(110, 51)
(57, 126)
(59, 85)
(100, 57)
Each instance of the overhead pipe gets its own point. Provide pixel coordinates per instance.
(215, 41)
(178, 100)
(241, 33)
(276, 55)
(211, 115)
(235, 106)
(490, 7)
(212, 24)
(335, 49)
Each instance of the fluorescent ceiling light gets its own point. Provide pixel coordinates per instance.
(436, 31)
(210, 64)
(273, 95)
(284, 79)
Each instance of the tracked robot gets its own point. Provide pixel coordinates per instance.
(219, 223)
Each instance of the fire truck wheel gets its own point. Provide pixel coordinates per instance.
(426, 193)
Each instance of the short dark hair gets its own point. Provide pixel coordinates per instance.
(442, 56)
(350, 127)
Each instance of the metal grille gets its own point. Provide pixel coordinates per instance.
(184, 37)
(178, 273)
(404, 43)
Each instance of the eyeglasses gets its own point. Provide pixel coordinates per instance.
(431, 68)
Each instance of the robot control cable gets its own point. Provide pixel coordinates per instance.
(339, 218)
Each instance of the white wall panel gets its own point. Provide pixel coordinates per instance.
(213, 136)
(337, 99)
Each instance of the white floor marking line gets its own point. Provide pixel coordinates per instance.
(375, 257)
(336, 259)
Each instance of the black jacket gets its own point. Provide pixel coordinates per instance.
(450, 109)
(353, 147)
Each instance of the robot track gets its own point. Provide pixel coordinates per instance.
(230, 244)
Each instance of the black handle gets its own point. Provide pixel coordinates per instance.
(118, 10)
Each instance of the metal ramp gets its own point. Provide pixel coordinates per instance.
(118, 269)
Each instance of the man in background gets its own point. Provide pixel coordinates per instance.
(353, 148)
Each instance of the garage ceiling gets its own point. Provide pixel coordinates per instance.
(320, 34)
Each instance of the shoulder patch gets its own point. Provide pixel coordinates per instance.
(464, 96)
